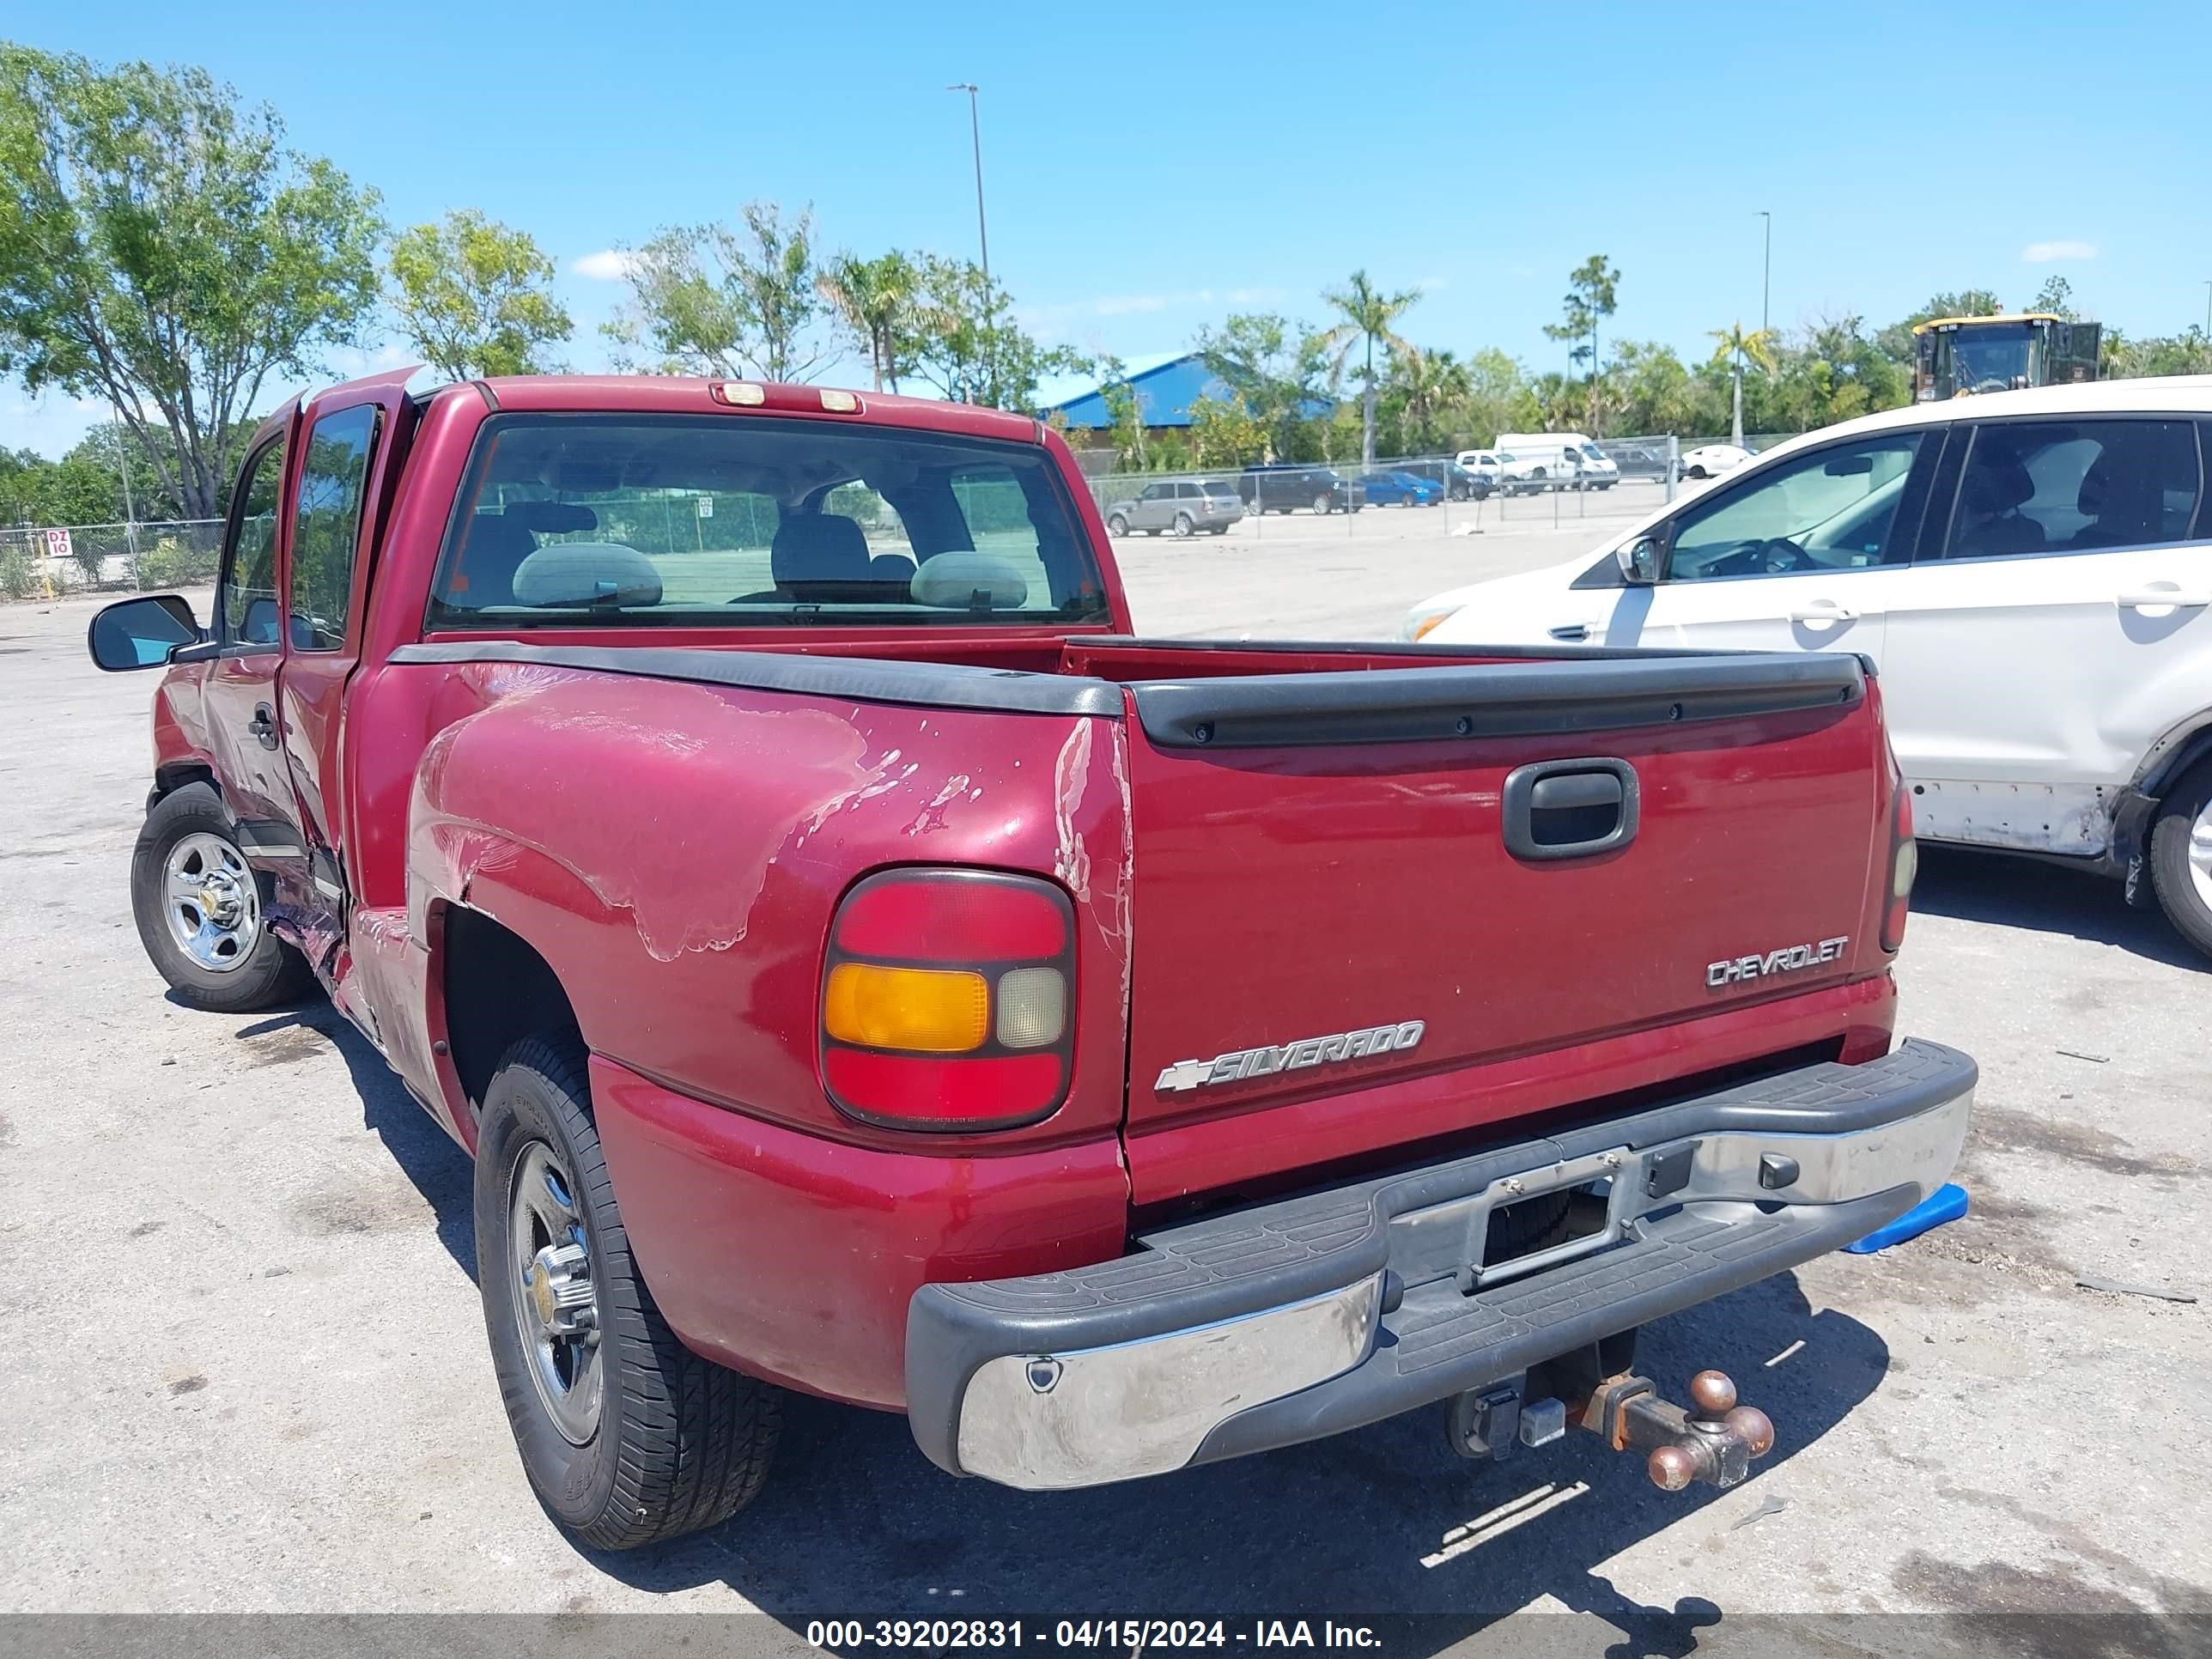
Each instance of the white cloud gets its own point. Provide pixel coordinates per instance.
(2044, 253)
(1122, 305)
(609, 264)
(1431, 284)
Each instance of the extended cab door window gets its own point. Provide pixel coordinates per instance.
(326, 527)
(246, 588)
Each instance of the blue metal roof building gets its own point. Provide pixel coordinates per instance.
(1166, 388)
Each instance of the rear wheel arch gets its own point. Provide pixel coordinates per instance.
(494, 989)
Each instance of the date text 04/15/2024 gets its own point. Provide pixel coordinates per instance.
(1089, 1635)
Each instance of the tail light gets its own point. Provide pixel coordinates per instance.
(946, 998)
(1904, 864)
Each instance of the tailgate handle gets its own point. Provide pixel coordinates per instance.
(1570, 809)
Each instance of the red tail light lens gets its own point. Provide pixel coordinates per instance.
(1904, 864)
(947, 999)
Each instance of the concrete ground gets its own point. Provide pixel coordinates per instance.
(247, 1367)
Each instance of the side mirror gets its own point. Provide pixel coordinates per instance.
(1640, 560)
(140, 633)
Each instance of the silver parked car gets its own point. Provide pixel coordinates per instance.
(1180, 507)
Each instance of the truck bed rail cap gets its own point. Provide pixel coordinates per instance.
(860, 679)
(1489, 700)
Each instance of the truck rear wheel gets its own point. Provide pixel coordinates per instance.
(627, 1436)
(198, 907)
(2181, 856)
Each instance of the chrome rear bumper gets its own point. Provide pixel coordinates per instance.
(1289, 1320)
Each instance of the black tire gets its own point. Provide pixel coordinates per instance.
(2170, 877)
(681, 1443)
(1324, 503)
(271, 971)
(1183, 527)
(1695, 473)
(1117, 526)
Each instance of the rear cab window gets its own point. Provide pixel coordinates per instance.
(586, 521)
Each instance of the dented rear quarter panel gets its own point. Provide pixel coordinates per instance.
(676, 852)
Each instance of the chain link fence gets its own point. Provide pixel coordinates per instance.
(41, 563)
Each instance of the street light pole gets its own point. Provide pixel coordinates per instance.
(1766, 272)
(975, 135)
(2207, 309)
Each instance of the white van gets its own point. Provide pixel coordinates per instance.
(1561, 460)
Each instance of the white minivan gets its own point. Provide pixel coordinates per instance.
(2031, 572)
(1508, 474)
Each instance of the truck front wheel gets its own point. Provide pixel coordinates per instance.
(197, 903)
(2181, 856)
(627, 1436)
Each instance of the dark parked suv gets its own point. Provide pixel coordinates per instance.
(1286, 488)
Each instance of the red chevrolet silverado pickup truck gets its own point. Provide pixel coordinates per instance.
(745, 818)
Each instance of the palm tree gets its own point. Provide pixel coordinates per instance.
(875, 299)
(1368, 315)
(1430, 382)
(1756, 347)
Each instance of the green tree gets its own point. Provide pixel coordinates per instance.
(2057, 297)
(1425, 400)
(474, 297)
(1371, 318)
(1737, 347)
(2186, 353)
(161, 248)
(1225, 433)
(725, 300)
(1272, 369)
(1591, 295)
(874, 300)
(965, 342)
(1896, 341)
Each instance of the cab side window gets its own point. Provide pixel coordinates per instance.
(326, 531)
(2033, 487)
(1833, 509)
(246, 589)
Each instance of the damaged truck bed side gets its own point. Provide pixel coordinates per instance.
(747, 819)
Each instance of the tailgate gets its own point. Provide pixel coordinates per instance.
(1347, 878)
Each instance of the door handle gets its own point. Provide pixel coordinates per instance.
(1568, 809)
(1571, 631)
(2163, 599)
(263, 725)
(1823, 611)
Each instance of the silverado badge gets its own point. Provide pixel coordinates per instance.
(1243, 1063)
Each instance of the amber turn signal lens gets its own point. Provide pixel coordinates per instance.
(931, 1011)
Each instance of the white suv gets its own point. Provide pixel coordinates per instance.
(2030, 571)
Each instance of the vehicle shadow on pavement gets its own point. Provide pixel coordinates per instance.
(1387, 1521)
(424, 1151)
(2023, 892)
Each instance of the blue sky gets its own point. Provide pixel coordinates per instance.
(1150, 168)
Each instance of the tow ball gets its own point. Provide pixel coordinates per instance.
(1715, 1441)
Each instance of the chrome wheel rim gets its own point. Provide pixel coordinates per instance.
(555, 1303)
(2200, 855)
(212, 903)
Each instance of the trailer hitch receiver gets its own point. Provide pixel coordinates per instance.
(1714, 1440)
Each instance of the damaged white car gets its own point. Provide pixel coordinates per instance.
(2030, 571)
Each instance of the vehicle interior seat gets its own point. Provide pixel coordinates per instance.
(587, 573)
(816, 558)
(492, 551)
(1991, 522)
(2124, 499)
